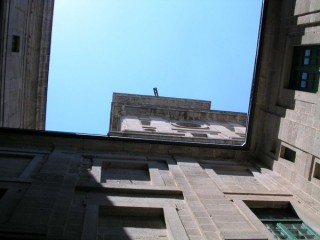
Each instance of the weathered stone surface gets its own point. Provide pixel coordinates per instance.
(24, 70)
(174, 119)
(67, 186)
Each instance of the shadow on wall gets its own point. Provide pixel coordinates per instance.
(279, 82)
(116, 192)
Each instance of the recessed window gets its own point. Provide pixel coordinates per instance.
(12, 166)
(305, 68)
(131, 223)
(2, 192)
(15, 43)
(273, 147)
(284, 223)
(241, 135)
(287, 154)
(145, 122)
(232, 171)
(149, 129)
(188, 125)
(125, 173)
(316, 173)
(201, 135)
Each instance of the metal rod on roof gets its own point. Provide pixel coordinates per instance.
(155, 91)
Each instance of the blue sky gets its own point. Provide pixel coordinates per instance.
(198, 49)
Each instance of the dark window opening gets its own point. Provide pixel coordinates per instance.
(202, 135)
(316, 173)
(12, 166)
(145, 122)
(131, 223)
(15, 43)
(305, 70)
(126, 172)
(242, 135)
(149, 129)
(188, 125)
(287, 154)
(2, 192)
(273, 147)
(233, 171)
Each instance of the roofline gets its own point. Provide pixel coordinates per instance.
(151, 96)
(70, 135)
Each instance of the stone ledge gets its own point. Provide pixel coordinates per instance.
(135, 189)
(243, 235)
(23, 232)
(280, 194)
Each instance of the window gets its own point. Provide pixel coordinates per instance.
(202, 135)
(15, 43)
(12, 166)
(232, 170)
(287, 154)
(125, 173)
(242, 135)
(131, 223)
(145, 122)
(149, 129)
(2, 192)
(316, 173)
(284, 223)
(305, 68)
(187, 125)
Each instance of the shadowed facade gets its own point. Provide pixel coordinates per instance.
(69, 186)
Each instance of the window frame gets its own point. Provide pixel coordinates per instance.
(284, 223)
(287, 153)
(15, 43)
(305, 68)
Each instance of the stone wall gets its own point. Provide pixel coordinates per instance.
(161, 118)
(24, 56)
(286, 120)
(205, 131)
(60, 186)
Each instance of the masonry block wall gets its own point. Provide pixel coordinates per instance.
(25, 37)
(174, 119)
(59, 187)
(286, 134)
(65, 186)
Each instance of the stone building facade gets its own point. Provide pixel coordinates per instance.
(285, 125)
(71, 186)
(175, 119)
(25, 37)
